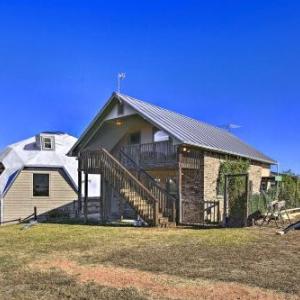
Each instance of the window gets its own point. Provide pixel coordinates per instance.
(159, 135)
(2, 168)
(120, 108)
(48, 143)
(135, 138)
(41, 185)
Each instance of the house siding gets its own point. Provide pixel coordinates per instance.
(110, 135)
(19, 201)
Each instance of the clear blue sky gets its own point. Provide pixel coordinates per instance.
(217, 61)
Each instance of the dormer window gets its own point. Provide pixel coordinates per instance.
(47, 142)
(120, 108)
(2, 168)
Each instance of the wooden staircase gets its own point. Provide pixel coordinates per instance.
(150, 201)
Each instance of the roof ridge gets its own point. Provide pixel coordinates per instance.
(179, 114)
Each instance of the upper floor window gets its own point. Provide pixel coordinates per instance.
(120, 108)
(2, 168)
(41, 185)
(48, 143)
(135, 138)
(160, 135)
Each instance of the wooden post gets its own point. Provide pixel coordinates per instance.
(35, 213)
(121, 208)
(155, 213)
(103, 196)
(225, 201)
(179, 204)
(79, 191)
(247, 199)
(173, 211)
(101, 201)
(86, 195)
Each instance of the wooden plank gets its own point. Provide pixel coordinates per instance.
(79, 191)
(86, 193)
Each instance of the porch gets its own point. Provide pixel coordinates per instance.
(161, 182)
(153, 155)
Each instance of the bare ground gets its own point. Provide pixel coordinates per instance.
(157, 286)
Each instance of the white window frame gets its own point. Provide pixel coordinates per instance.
(160, 136)
(52, 141)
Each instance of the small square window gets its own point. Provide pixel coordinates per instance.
(41, 185)
(135, 138)
(48, 143)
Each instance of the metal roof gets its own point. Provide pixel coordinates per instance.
(193, 132)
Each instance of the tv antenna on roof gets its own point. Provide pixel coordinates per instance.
(121, 76)
(229, 127)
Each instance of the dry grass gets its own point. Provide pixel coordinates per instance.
(248, 263)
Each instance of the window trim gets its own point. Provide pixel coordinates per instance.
(52, 140)
(156, 130)
(135, 133)
(49, 185)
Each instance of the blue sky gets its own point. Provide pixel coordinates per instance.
(217, 61)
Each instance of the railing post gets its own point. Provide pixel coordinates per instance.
(86, 185)
(218, 212)
(155, 213)
(247, 199)
(173, 211)
(35, 213)
(225, 213)
(79, 190)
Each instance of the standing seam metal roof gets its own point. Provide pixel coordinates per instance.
(193, 132)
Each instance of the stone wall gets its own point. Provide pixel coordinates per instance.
(212, 164)
(192, 188)
(192, 196)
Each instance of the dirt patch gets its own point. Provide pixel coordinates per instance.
(158, 285)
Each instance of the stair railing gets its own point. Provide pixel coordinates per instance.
(167, 202)
(100, 161)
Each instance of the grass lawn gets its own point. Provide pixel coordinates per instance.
(51, 261)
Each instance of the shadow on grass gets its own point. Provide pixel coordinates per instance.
(78, 221)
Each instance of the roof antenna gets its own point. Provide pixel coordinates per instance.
(121, 76)
(229, 127)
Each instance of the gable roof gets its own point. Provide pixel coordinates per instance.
(187, 130)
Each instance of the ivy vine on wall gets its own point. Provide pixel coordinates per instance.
(236, 189)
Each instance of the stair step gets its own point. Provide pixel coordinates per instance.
(132, 190)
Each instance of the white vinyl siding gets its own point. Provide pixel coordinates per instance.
(19, 200)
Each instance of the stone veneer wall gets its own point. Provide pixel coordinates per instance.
(211, 172)
(192, 188)
(192, 196)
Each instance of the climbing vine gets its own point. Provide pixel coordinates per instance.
(230, 166)
(236, 189)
